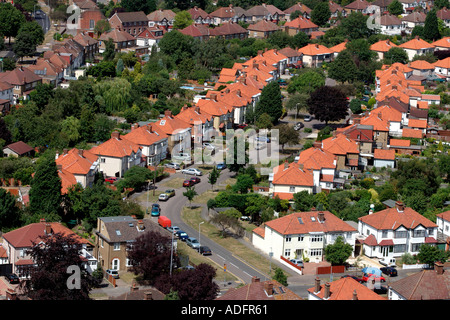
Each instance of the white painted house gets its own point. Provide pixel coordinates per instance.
(302, 235)
(443, 222)
(395, 231)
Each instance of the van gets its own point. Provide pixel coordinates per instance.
(389, 262)
(164, 222)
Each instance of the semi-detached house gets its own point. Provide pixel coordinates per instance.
(302, 235)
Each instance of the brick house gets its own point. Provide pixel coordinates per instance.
(131, 22)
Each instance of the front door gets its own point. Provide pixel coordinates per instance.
(115, 264)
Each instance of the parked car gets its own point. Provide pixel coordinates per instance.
(307, 118)
(163, 197)
(12, 278)
(297, 262)
(188, 267)
(260, 146)
(195, 180)
(360, 280)
(192, 171)
(156, 210)
(170, 192)
(188, 183)
(193, 243)
(204, 250)
(298, 126)
(242, 126)
(390, 271)
(173, 229)
(182, 235)
(367, 276)
(172, 165)
(221, 166)
(113, 273)
(111, 179)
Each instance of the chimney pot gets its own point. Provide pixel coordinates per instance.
(326, 293)
(286, 164)
(316, 285)
(439, 267)
(149, 128)
(400, 206)
(268, 286)
(115, 135)
(48, 229)
(168, 113)
(255, 279)
(321, 216)
(355, 295)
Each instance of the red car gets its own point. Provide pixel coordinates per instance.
(111, 179)
(188, 183)
(371, 277)
(195, 180)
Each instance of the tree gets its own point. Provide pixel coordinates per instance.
(343, 68)
(176, 45)
(304, 201)
(244, 182)
(213, 177)
(239, 160)
(287, 135)
(136, 177)
(299, 40)
(395, 8)
(431, 27)
(321, 14)
(306, 82)
(35, 30)
(328, 104)
(355, 106)
(11, 19)
(270, 101)
(280, 276)
(41, 95)
(71, 128)
(396, 54)
(439, 4)
(338, 252)
(182, 20)
(297, 102)
(110, 50)
(279, 39)
(225, 222)
(150, 255)
(9, 212)
(53, 254)
(430, 254)
(190, 194)
(139, 5)
(354, 26)
(101, 27)
(45, 191)
(24, 45)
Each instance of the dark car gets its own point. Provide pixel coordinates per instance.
(156, 210)
(390, 271)
(12, 278)
(188, 183)
(360, 280)
(204, 250)
(182, 235)
(195, 180)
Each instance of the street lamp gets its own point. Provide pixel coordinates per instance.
(199, 234)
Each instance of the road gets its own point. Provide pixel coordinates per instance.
(172, 209)
(43, 20)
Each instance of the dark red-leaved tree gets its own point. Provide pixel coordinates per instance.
(150, 255)
(53, 254)
(196, 284)
(328, 104)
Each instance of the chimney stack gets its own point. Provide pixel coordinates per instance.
(80, 152)
(326, 293)
(168, 113)
(197, 109)
(355, 296)
(321, 217)
(149, 128)
(400, 206)
(65, 151)
(140, 225)
(255, 279)
(439, 267)
(48, 229)
(115, 135)
(317, 285)
(268, 286)
(148, 295)
(286, 164)
(134, 126)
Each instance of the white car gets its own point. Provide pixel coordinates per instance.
(208, 146)
(163, 197)
(192, 171)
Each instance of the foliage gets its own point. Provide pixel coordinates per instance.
(226, 221)
(328, 104)
(430, 254)
(343, 68)
(139, 5)
(213, 176)
(431, 27)
(101, 26)
(48, 279)
(270, 102)
(395, 8)
(304, 201)
(11, 19)
(9, 212)
(150, 255)
(280, 276)
(136, 177)
(190, 193)
(321, 14)
(182, 20)
(338, 252)
(306, 82)
(287, 135)
(395, 54)
(24, 45)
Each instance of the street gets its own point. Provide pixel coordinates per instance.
(43, 20)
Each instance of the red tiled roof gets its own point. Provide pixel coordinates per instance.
(382, 46)
(416, 44)
(392, 219)
(399, 143)
(340, 145)
(257, 290)
(316, 158)
(444, 215)
(384, 154)
(77, 161)
(345, 288)
(19, 147)
(292, 176)
(417, 123)
(412, 133)
(116, 147)
(306, 222)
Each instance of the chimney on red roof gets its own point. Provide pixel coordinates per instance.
(59, 167)
(149, 128)
(148, 295)
(65, 151)
(115, 135)
(286, 164)
(439, 267)
(357, 120)
(317, 144)
(326, 293)
(268, 286)
(400, 206)
(168, 113)
(214, 96)
(316, 285)
(134, 126)
(238, 93)
(255, 65)
(42, 220)
(255, 279)
(80, 152)
(355, 295)
(321, 216)
(197, 109)
(48, 229)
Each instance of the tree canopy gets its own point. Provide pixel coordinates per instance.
(328, 104)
